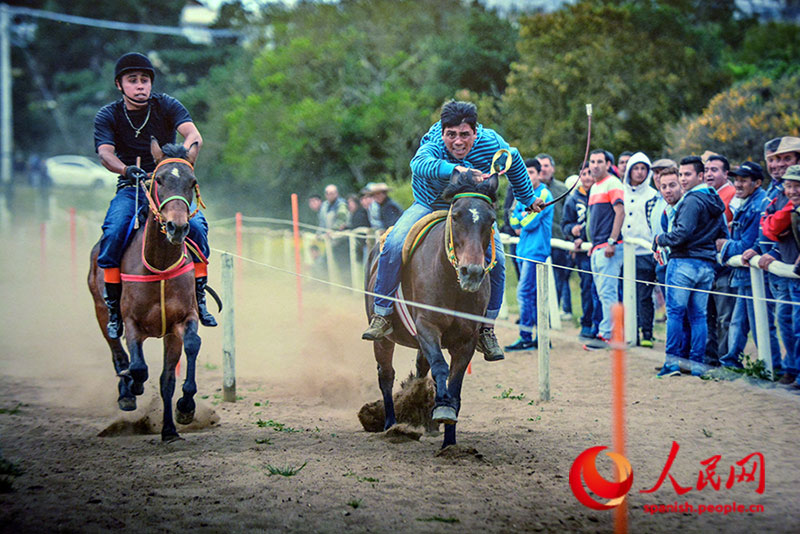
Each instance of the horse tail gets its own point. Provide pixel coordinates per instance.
(213, 293)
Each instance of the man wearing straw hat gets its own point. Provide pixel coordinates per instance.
(388, 210)
(122, 132)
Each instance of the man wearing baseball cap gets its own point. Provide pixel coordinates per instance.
(747, 181)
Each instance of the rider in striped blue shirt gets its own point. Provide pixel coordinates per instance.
(455, 143)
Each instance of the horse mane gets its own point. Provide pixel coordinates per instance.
(174, 150)
(465, 184)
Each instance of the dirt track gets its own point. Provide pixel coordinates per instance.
(56, 371)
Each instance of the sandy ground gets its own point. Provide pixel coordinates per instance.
(300, 386)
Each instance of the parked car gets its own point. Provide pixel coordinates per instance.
(78, 171)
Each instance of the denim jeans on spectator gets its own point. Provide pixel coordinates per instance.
(743, 321)
(645, 272)
(590, 302)
(607, 286)
(687, 274)
(390, 263)
(526, 297)
(563, 292)
(794, 360)
(779, 286)
(720, 312)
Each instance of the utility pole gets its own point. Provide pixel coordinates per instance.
(6, 124)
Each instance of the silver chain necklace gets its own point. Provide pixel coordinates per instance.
(140, 128)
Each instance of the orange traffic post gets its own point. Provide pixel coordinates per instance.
(618, 405)
(297, 263)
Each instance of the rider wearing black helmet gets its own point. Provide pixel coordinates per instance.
(122, 132)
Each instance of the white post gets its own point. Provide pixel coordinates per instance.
(762, 325)
(228, 333)
(542, 331)
(555, 309)
(629, 291)
(354, 271)
(332, 273)
(288, 250)
(267, 255)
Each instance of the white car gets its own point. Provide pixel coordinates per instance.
(78, 171)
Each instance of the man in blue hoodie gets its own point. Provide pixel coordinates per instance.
(698, 223)
(744, 234)
(535, 231)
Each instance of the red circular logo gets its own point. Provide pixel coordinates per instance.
(584, 469)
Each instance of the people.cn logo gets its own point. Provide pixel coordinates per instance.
(584, 469)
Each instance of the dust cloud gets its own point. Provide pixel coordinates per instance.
(49, 330)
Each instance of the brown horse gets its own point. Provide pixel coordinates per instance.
(158, 295)
(448, 270)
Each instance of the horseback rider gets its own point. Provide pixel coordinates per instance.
(122, 133)
(455, 143)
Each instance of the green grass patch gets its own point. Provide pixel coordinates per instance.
(361, 479)
(11, 411)
(264, 441)
(285, 471)
(354, 503)
(276, 426)
(506, 394)
(210, 366)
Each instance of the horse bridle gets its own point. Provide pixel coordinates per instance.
(451, 249)
(152, 194)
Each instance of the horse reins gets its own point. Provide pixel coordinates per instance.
(451, 249)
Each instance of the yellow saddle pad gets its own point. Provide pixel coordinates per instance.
(417, 233)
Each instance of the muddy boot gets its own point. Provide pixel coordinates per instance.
(206, 319)
(112, 294)
(488, 345)
(379, 327)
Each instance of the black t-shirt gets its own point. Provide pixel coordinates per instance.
(112, 128)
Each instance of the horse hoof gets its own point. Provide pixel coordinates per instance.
(139, 376)
(127, 404)
(184, 418)
(445, 414)
(170, 438)
(137, 388)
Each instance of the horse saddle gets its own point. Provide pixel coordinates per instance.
(412, 241)
(417, 233)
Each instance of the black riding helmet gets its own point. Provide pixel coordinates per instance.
(134, 61)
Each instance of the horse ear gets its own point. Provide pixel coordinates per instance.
(492, 182)
(191, 154)
(155, 149)
(454, 176)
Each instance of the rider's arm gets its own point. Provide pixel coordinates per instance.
(190, 135)
(518, 177)
(109, 159)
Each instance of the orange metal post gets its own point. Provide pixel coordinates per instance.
(297, 263)
(618, 404)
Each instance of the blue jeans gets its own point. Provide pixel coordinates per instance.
(742, 322)
(779, 286)
(793, 356)
(607, 287)
(526, 297)
(683, 302)
(390, 263)
(118, 226)
(590, 302)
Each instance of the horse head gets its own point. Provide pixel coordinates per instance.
(172, 187)
(470, 222)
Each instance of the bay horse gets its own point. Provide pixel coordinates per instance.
(447, 270)
(158, 291)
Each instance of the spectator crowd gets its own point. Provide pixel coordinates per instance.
(684, 219)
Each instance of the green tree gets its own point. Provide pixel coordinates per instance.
(641, 66)
(738, 121)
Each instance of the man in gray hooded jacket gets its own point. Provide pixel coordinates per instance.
(640, 198)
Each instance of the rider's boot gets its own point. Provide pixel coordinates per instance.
(206, 319)
(488, 345)
(379, 327)
(112, 294)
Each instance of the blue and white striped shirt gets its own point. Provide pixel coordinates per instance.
(432, 166)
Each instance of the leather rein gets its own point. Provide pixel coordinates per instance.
(451, 249)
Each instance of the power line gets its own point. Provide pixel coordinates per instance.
(123, 26)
